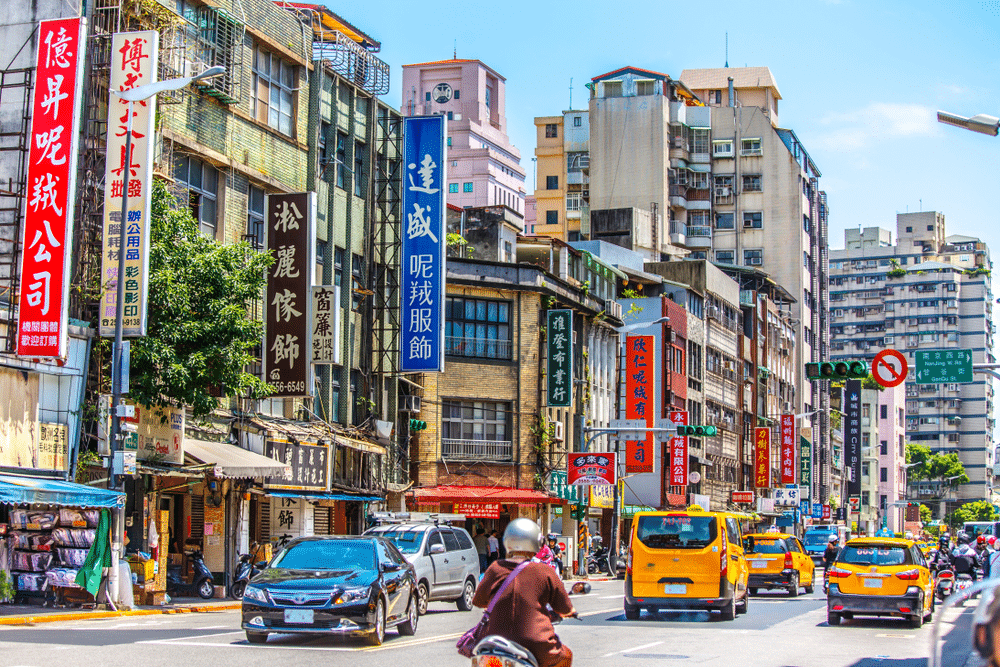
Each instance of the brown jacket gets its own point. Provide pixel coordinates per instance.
(520, 614)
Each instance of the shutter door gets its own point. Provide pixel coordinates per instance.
(321, 521)
(197, 517)
(264, 523)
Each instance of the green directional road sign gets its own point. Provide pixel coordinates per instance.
(939, 366)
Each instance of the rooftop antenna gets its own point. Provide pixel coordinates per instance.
(454, 53)
(727, 49)
(571, 93)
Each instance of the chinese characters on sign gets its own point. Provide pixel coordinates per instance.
(640, 403)
(679, 451)
(50, 190)
(597, 468)
(762, 458)
(310, 464)
(52, 446)
(788, 449)
(477, 510)
(291, 221)
(805, 466)
(852, 435)
(786, 497)
(559, 374)
(134, 57)
(422, 294)
(326, 324)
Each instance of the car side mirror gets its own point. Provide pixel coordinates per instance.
(437, 549)
(748, 544)
(261, 564)
(390, 567)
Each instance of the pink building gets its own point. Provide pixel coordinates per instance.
(484, 169)
(892, 455)
(530, 214)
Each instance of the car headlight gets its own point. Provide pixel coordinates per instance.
(350, 595)
(255, 594)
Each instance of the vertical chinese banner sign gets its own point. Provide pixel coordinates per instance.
(679, 451)
(640, 394)
(422, 318)
(134, 58)
(326, 324)
(805, 468)
(852, 434)
(559, 374)
(788, 449)
(762, 458)
(51, 190)
(291, 224)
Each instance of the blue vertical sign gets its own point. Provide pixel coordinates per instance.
(422, 280)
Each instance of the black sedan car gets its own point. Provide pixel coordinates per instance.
(355, 586)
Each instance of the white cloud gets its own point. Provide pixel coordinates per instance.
(879, 121)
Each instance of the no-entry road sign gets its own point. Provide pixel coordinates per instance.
(889, 368)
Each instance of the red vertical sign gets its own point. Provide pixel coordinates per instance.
(640, 390)
(788, 449)
(679, 451)
(49, 195)
(762, 458)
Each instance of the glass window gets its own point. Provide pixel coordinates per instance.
(724, 221)
(341, 160)
(751, 147)
(753, 220)
(338, 265)
(577, 121)
(875, 555)
(477, 328)
(201, 181)
(458, 94)
(359, 169)
(722, 148)
(327, 555)
(466, 187)
(551, 130)
(453, 188)
(574, 201)
(551, 217)
(407, 541)
(551, 182)
(255, 217)
(463, 540)
(753, 257)
(725, 256)
(272, 93)
(752, 183)
(450, 541)
(476, 420)
(677, 532)
(769, 546)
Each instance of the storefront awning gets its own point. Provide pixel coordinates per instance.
(17, 490)
(508, 496)
(234, 462)
(360, 445)
(322, 496)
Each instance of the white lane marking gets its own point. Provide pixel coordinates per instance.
(630, 650)
(192, 641)
(599, 611)
(611, 597)
(178, 639)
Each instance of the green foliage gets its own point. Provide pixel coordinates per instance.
(944, 468)
(871, 383)
(84, 459)
(896, 271)
(7, 589)
(978, 510)
(630, 294)
(201, 331)
(925, 514)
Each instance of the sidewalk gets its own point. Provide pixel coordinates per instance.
(33, 614)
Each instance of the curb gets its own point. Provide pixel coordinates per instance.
(95, 615)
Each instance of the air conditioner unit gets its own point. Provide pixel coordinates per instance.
(410, 404)
(787, 406)
(613, 308)
(754, 261)
(558, 433)
(673, 336)
(723, 191)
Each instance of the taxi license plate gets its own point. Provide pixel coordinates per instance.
(299, 616)
(675, 589)
(758, 564)
(873, 583)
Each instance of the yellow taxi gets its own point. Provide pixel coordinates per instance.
(926, 548)
(778, 560)
(686, 559)
(880, 576)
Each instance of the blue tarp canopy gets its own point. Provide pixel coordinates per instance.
(321, 496)
(17, 490)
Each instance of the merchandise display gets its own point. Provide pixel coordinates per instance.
(47, 547)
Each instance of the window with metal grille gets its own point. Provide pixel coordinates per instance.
(321, 521)
(255, 217)
(477, 328)
(273, 96)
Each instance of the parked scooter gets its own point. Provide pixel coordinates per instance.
(203, 581)
(598, 561)
(246, 569)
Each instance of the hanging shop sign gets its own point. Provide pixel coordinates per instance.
(762, 458)
(50, 190)
(477, 510)
(640, 395)
(596, 468)
(679, 451)
(805, 466)
(310, 464)
(422, 302)
(559, 346)
(326, 324)
(852, 434)
(788, 449)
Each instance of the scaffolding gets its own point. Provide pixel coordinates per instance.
(15, 141)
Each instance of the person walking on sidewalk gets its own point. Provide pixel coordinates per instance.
(482, 548)
(493, 547)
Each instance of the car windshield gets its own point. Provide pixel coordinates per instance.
(407, 541)
(816, 537)
(677, 532)
(766, 546)
(327, 555)
(875, 555)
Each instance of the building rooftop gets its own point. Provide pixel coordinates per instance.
(718, 77)
(331, 21)
(457, 61)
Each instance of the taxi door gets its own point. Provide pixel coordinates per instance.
(802, 562)
(739, 571)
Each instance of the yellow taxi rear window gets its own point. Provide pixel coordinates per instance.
(678, 531)
(875, 555)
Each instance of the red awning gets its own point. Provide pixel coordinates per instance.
(499, 494)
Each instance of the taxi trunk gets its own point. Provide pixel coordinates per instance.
(679, 557)
(877, 578)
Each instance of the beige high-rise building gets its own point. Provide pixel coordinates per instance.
(562, 184)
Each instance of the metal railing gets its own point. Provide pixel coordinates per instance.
(477, 450)
(484, 348)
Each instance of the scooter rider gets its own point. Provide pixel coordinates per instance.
(521, 614)
(964, 556)
(830, 554)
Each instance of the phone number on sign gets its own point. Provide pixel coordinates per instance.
(288, 386)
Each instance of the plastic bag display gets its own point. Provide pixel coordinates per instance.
(62, 576)
(32, 541)
(72, 557)
(79, 518)
(31, 561)
(31, 582)
(74, 537)
(34, 519)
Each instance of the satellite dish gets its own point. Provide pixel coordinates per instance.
(694, 478)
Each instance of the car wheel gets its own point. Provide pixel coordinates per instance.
(256, 637)
(753, 591)
(930, 614)
(422, 598)
(238, 589)
(917, 619)
(206, 589)
(793, 588)
(832, 618)
(729, 611)
(465, 602)
(812, 584)
(377, 635)
(745, 605)
(409, 626)
(632, 613)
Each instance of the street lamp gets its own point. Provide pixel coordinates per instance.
(133, 95)
(980, 123)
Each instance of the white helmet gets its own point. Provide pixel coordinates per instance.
(522, 535)
(909, 534)
(833, 538)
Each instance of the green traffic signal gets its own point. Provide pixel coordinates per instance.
(838, 370)
(697, 431)
(417, 425)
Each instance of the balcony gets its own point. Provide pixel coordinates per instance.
(477, 450)
(699, 236)
(678, 233)
(678, 196)
(477, 348)
(699, 199)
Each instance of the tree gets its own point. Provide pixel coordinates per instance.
(978, 510)
(925, 515)
(946, 469)
(201, 330)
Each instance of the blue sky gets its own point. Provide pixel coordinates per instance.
(861, 81)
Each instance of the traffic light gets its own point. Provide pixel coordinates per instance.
(697, 431)
(578, 512)
(417, 425)
(837, 370)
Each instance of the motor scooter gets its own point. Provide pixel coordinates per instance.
(945, 583)
(599, 562)
(963, 582)
(202, 582)
(494, 648)
(247, 568)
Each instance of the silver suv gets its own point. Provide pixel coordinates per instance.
(444, 557)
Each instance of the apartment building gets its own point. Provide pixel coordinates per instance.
(928, 290)
(892, 456)
(484, 168)
(562, 185)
